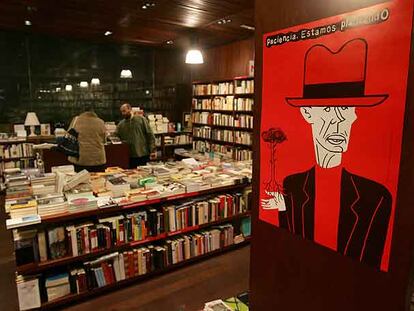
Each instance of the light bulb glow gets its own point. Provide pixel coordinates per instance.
(95, 81)
(126, 74)
(194, 57)
(84, 84)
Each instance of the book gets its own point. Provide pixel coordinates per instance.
(57, 242)
(22, 221)
(28, 292)
(57, 286)
(25, 246)
(42, 244)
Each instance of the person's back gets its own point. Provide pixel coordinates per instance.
(91, 139)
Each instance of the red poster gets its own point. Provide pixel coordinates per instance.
(334, 94)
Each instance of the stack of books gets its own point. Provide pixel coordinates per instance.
(43, 184)
(57, 286)
(25, 246)
(77, 179)
(28, 292)
(81, 202)
(117, 185)
(158, 123)
(17, 184)
(51, 204)
(22, 207)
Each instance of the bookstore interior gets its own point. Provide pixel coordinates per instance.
(99, 201)
(197, 155)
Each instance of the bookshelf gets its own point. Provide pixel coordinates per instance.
(222, 117)
(36, 268)
(72, 298)
(166, 142)
(227, 222)
(16, 154)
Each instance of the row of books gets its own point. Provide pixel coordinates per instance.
(223, 135)
(207, 118)
(201, 117)
(217, 103)
(182, 139)
(242, 154)
(119, 266)
(243, 121)
(202, 132)
(244, 86)
(22, 163)
(227, 103)
(243, 138)
(201, 146)
(213, 88)
(16, 151)
(224, 151)
(243, 104)
(238, 137)
(33, 245)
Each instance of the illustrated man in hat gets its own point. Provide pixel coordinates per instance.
(328, 204)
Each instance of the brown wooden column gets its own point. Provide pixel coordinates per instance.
(290, 274)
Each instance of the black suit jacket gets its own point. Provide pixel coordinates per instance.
(363, 217)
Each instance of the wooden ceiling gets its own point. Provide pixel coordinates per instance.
(177, 20)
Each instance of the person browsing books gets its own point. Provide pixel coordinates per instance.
(91, 139)
(136, 132)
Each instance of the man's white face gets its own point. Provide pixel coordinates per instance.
(331, 126)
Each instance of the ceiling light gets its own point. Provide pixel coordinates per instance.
(247, 27)
(194, 57)
(84, 84)
(147, 5)
(58, 89)
(95, 81)
(27, 22)
(147, 92)
(169, 42)
(126, 74)
(68, 87)
(108, 33)
(224, 21)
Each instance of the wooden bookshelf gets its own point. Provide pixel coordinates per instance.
(243, 94)
(246, 99)
(43, 269)
(225, 127)
(163, 147)
(35, 268)
(72, 298)
(223, 142)
(243, 111)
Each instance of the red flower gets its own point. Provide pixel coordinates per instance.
(274, 135)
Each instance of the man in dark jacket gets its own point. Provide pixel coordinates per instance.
(136, 132)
